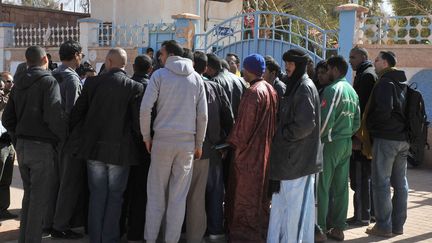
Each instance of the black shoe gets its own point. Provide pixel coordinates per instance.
(355, 222)
(5, 214)
(67, 234)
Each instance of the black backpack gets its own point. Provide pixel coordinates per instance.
(417, 125)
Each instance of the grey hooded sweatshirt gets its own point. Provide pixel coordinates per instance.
(178, 94)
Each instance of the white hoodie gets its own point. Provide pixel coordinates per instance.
(178, 93)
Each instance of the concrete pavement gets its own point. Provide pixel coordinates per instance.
(418, 227)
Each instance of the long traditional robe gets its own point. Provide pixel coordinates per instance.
(247, 204)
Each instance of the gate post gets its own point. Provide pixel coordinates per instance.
(6, 40)
(347, 28)
(89, 29)
(185, 25)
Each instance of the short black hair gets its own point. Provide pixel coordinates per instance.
(34, 55)
(142, 63)
(272, 65)
(149, 50)
(361, 51)
(338, 62)
(200, 61)
(234, 55)
(68, 50)
(214, 62)
(187, 53)
(322, 64)
(173, 47)
(389, 57)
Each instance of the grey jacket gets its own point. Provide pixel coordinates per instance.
(295, 150)
(70, 86)
(178, 93)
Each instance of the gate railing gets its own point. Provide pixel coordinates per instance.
(49, 35)
(396, 30)
(130, 35)
(269, 25)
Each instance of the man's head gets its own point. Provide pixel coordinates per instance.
(321, 73)
(233, 62)
(272, 69)
(200, 62)
(116, 58)
(71, 53)
(36, 57)
(142, 64)
(337, 67)
(170, 48)
(295, 63)
(7, 79)
(188, 54)
(214, 65)
(385, 59)
(150, 52)
(254, 67)
(357, 56)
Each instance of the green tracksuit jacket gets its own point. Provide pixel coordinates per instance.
(340, 111)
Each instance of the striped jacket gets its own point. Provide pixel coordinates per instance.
(340, 111)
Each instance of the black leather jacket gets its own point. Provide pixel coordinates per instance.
(296, 144)
(234, 87)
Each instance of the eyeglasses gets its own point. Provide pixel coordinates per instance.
(7, 81)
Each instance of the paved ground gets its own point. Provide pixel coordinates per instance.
(417, 229)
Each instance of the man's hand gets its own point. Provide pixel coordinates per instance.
(148, 145)
(198, 153)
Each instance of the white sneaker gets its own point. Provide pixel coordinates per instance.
(217, 237)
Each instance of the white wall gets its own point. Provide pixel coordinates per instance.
(142, 11)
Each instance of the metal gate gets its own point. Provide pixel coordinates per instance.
(267, 33)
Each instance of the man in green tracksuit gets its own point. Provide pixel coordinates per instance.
(340, 119)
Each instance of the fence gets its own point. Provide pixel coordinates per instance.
(132, 35)
(396, 30)
(44, 35)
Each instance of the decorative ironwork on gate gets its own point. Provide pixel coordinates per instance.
(267, 33)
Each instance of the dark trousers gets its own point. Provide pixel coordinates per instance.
(215, 195)
(135, 201)
(7, 157)
(360, 181)
(36, 163)
(73, 176)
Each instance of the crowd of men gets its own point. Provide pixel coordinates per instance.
(190, 143)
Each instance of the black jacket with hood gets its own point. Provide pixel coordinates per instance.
(34, 109)
(386, 116)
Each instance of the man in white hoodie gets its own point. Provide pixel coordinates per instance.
(177, 92)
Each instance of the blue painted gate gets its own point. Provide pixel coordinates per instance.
(267, 33)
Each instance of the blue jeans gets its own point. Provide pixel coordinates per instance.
(215, 195)
(107, 184)
(292, 214)
(389, 165)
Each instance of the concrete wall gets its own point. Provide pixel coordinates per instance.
(143, 11)
(22, 15)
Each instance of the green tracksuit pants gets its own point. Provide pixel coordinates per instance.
(333, 181)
